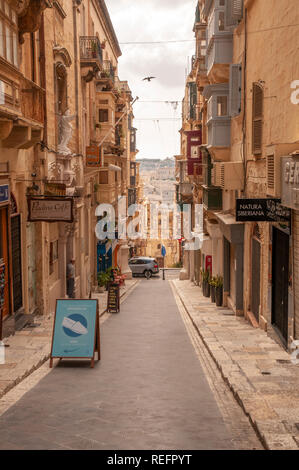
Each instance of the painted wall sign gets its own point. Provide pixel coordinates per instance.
(93, 156)
(4, 193)
(76, 331)
(50, 209)
(261, 210)
(290, 181)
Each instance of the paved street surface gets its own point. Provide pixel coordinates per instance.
(257, 369)
(149, 391)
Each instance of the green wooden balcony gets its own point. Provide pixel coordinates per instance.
(212, 198)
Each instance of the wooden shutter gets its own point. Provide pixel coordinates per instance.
(235, 88)
(257, 119)
(233, 13)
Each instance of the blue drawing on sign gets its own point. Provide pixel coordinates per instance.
(75, 325)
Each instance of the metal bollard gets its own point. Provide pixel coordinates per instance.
(163, 274)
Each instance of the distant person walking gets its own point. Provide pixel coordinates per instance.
(70, 279)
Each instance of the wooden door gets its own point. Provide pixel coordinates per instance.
(255, 278)
(280, 279)
(4, 260)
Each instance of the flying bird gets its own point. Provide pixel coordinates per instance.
(148, 78)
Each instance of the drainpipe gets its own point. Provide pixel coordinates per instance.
(76, 3)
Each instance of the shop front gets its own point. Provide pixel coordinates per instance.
(5, 288)
(233, 261)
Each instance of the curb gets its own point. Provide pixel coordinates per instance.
(236, 392)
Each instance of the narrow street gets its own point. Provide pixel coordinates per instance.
(155, 388)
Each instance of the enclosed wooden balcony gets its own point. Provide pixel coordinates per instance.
(32, 101)
(212, 198)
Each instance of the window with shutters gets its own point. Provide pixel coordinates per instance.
(104, 177)
(257, 118)
(103, 115)
(8, 33)
(235, 89)
(233, 13)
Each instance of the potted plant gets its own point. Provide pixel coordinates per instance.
(205, 283)
(219, 291)
(212, 282)
(103, 279)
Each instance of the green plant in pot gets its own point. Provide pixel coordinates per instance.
(219, 290)
(103, 279)
(212, 283)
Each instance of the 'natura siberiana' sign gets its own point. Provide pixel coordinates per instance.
(261, 210)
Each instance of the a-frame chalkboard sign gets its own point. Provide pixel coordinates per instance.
(76, 330)
(113, 298)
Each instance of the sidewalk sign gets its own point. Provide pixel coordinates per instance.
(76, 330)
(113, 298)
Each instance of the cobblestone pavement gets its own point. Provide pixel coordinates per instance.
(30, 348)
(149, 391)
(256, 368)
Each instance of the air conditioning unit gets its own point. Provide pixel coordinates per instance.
(231, 175)
(273, 175)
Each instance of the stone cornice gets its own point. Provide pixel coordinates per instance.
(104, 14)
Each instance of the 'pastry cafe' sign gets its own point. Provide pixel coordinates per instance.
(50, 209)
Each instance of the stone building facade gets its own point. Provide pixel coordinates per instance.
(249, 126)
(66, 124)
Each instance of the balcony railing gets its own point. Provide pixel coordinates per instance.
(108, 70)
(32, 101)
(122, 86)
(90, 50)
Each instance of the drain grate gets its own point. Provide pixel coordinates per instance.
(264, 372)
(283, 361)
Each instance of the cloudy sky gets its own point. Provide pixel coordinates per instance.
(155, 20)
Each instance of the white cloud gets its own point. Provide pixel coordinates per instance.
(155, 20)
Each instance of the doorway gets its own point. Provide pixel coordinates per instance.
(4, 264)
(280, 282)
(255, 277)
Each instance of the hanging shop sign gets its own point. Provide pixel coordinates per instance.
(50, 209)
(93, 156)
(55, 189)
(4, 193)
(76, 331)
(261, 210)
(290, 181)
